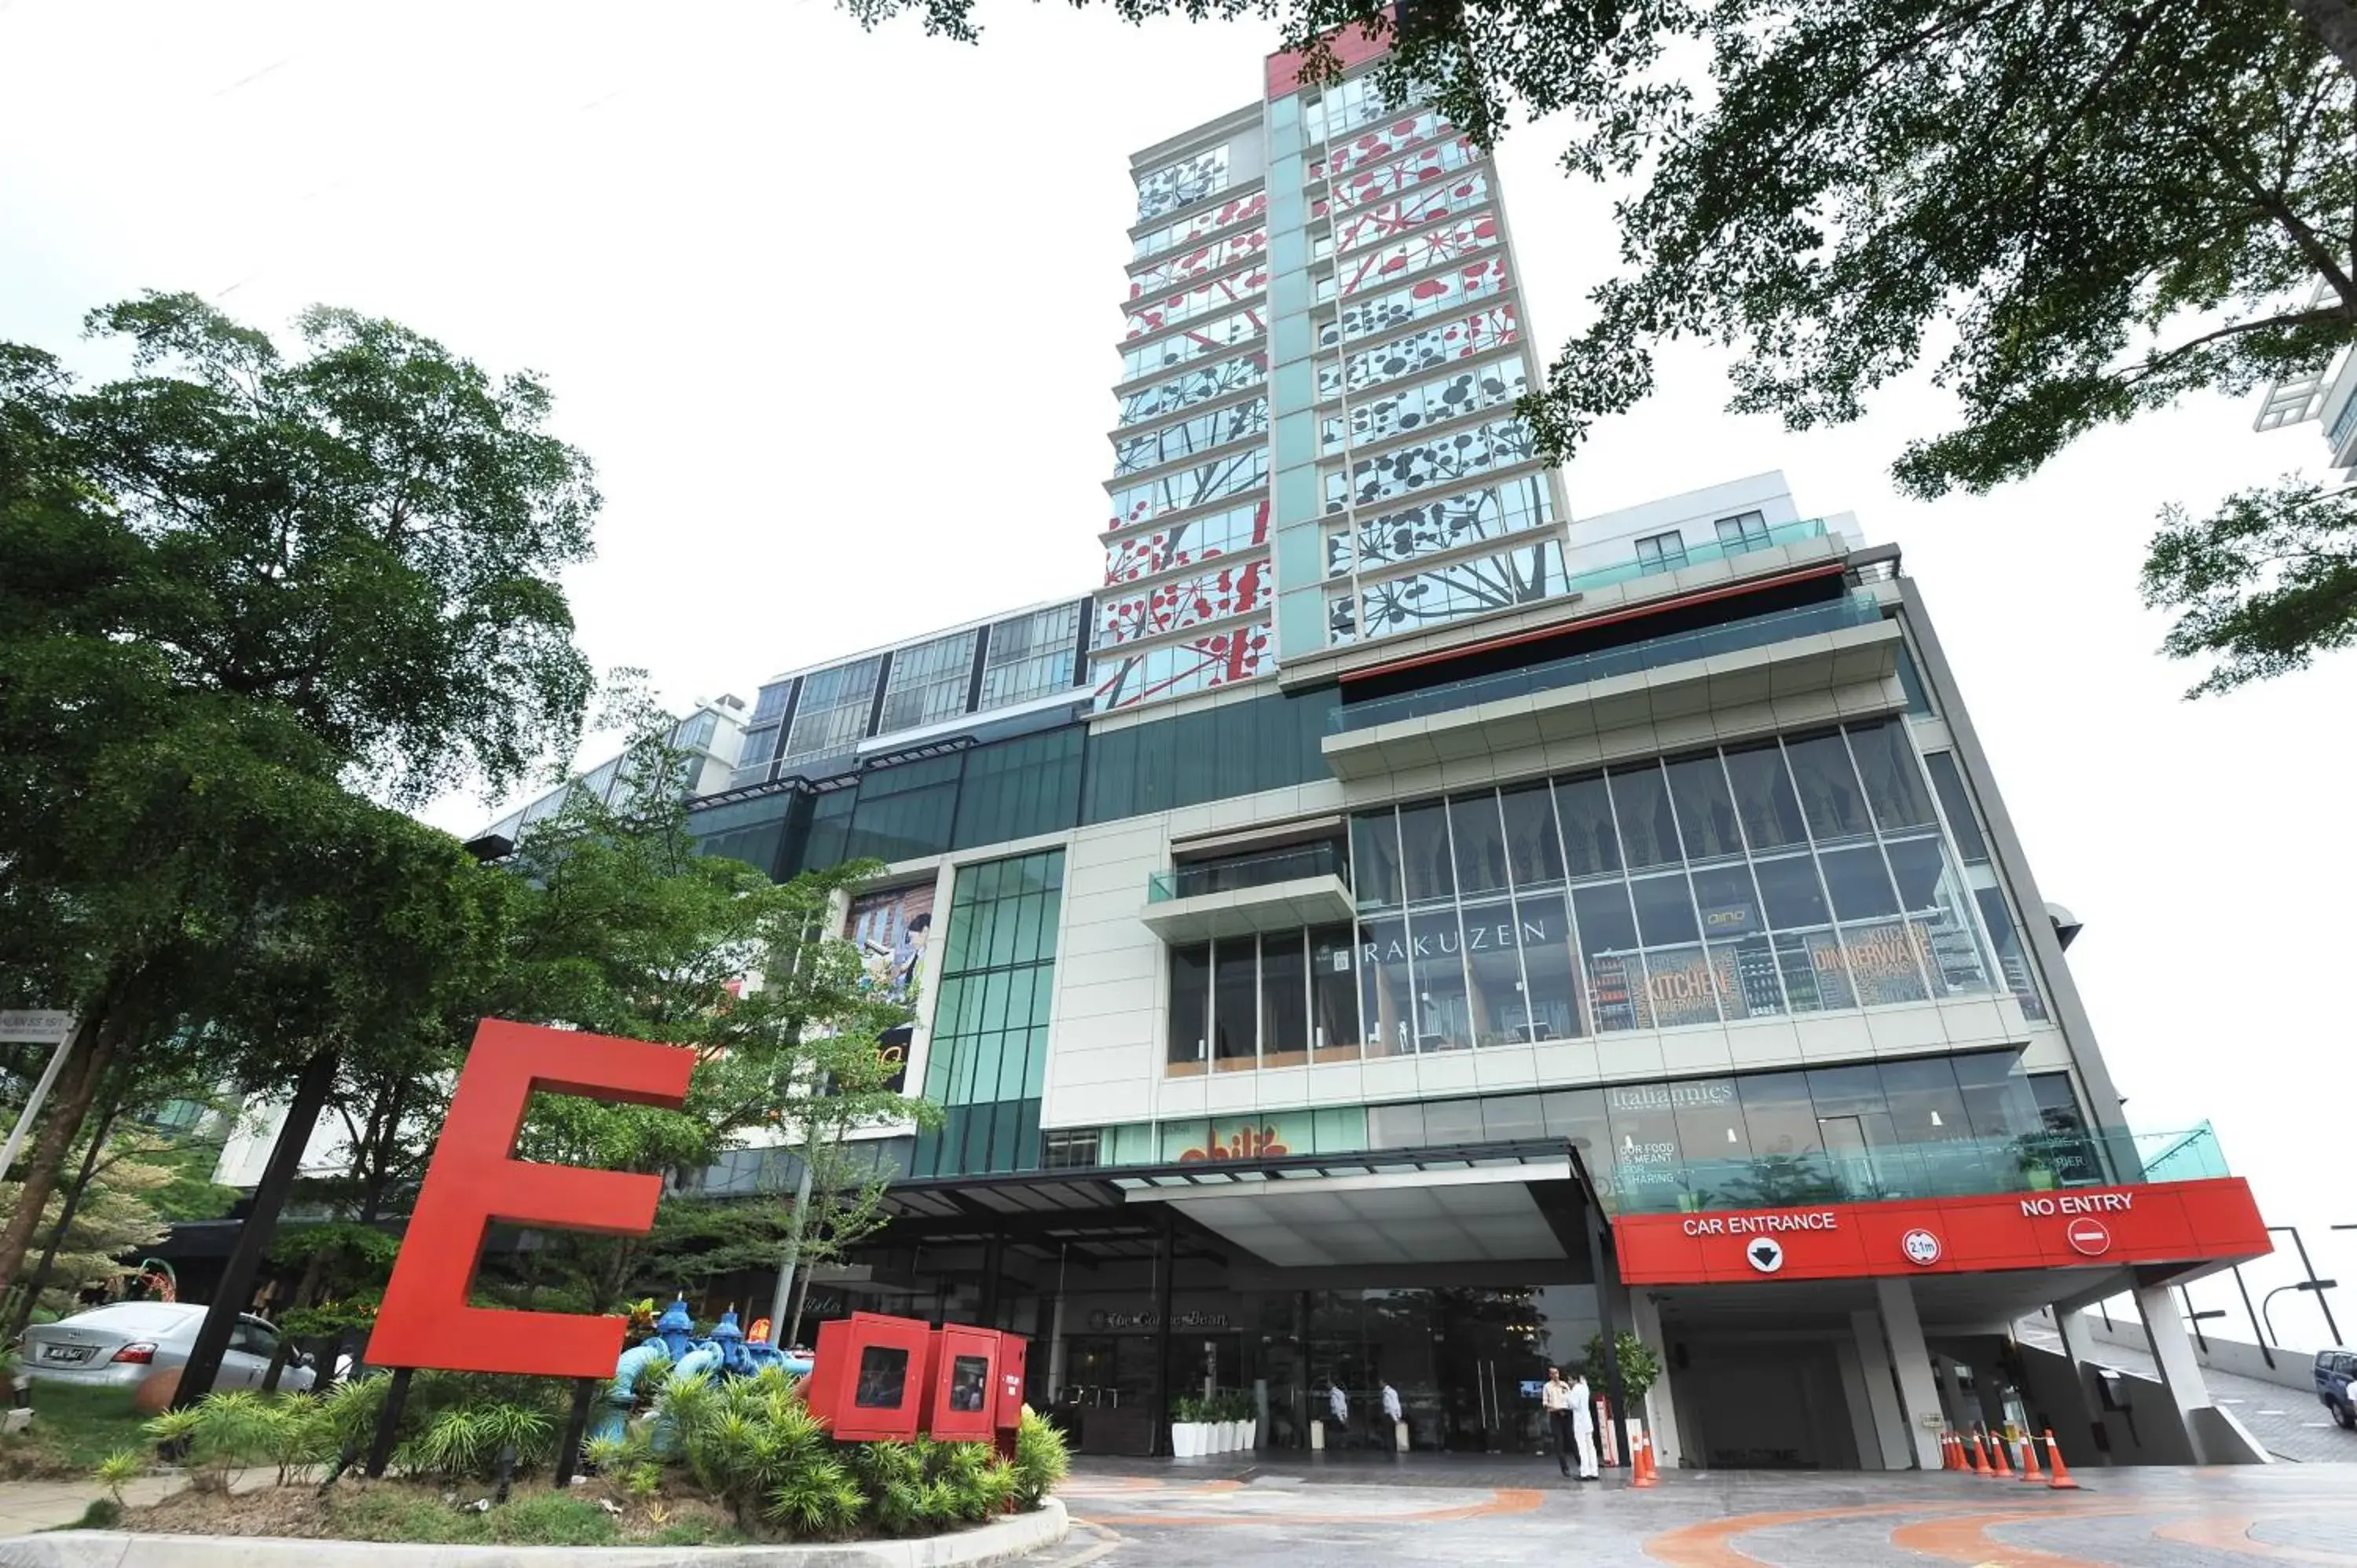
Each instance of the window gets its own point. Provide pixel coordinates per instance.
(969, 1381)
(1963, 824)
(1182, 184)
(1437, 345)
(1333, 994)
(1748, 532)
(1464, 454)
(1191, 1009)
(883, 1378)
(1031, 656)
(835, 705)
(1284, 999)
(929, 683)
(1071, 1150)
(1433, 402)
(1451, 290)
(1662, 551)
(1235, 1006)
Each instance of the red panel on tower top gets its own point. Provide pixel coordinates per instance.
(1352, 45)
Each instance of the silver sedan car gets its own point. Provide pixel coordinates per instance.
(124, 1344)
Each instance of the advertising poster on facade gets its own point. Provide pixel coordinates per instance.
(893, 930)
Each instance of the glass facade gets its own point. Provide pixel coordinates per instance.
(1451, 290)
(1389, 538)
(1196, 386)
(834, 710)
(1196, 664)
(988, 1055)
(1031, 656)
(1458, 242)
(1179, 603)
(1182, 184)
(1242, 210)
(1242, 470)
(1200, 300)
(1461, 588)
(1448, 459)
(1429, 403)
(1229, 251)
(1175, 442)
(1789, 876)
(1186, 543)
(1417, 206)
(1206, 338)
(929, 683)
(1475, 334)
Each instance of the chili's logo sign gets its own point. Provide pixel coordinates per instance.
(1245, 1143)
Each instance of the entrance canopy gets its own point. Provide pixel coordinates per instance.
(1489, 1203)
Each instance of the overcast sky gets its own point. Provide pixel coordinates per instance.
(834, 314)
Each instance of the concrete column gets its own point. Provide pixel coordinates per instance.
(1661, 1406)
(1863, 1437)
(1952, 1397)
(1917, 1394)
(1890, 1450)
(2180, 1374)
(2079, 1343)
(1056, 1362)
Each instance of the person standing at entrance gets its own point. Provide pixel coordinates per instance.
(1337, 1409)
(1561, 1405)
(1392, 1416)
(1583, 1430)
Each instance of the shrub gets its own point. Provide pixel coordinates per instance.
(465, 1443)
(118, 1470)
(492, 1411)
(1041, 1460)
(234, 1428)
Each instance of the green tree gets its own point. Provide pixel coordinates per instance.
(2074, 211)
(244, 587)
(621, 928)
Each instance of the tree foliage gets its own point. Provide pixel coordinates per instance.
(2265, 583)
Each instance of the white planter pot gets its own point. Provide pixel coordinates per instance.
(1235, 1435)
(1186, 1437)
(1249, 1432)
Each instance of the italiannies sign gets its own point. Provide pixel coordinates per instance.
(2184, 1222)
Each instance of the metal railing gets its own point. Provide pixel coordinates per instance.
(1196, 878)
(1948, 1167)
(1755, 631)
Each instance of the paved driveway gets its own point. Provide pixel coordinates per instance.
(1470, 1515)
(2288, 1422)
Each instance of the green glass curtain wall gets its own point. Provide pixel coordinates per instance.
(988, 1058)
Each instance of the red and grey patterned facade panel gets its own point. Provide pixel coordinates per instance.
(1181, 604)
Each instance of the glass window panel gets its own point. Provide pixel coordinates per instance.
(1998, 1095)
(2012, 957)
(1444, 1014)
(1649, 1169)
(1191, 1008)
(1816, 974)
(1513, 1116)
(1788, 1159)
(1794, 896)
(1678, 984)
(1480, 842)
(1962, 826)
(1333, 993)
(1744, 970)
(1452, 1121)
(1933, 895)
(1666, 910)
(1423, 852)
(1882, 962)
(1577, 1115)
(1608, 941)
(1395, 1127)
(833, 717)
(1386, 988)
(1533, 851)
(1500, 1012)
(1235, 1006)
(1374, 859)
(1764, 796)
(1830, 796)
(1894, 784)
(1591, 846)
(1640, 799)
(1918, 701)
(1284, 1000)
(929, 683)
(1705, 809)
(1859, 884)
(1544, 932)
(1711, 1134)
(1925, 1103)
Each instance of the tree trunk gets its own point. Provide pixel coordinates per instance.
(2334, 22)
(95, 1044)
(39, 1279)
(310, 1098)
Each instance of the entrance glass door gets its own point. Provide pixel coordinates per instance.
(1490, 1362)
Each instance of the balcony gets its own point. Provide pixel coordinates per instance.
(1948, 1167)
(1696, 555)
(1815, 648)
(1276, 890)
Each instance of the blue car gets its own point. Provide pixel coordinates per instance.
(2336, 1385)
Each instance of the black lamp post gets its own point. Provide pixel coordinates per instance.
(2313, 1285)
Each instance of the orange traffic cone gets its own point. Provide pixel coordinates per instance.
(2062, 1481)
(2029, 1460)
(1947, 1450)
(1641, 1463)
(1980, 1456)
(1996, 1452)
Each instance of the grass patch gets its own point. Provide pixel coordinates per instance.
(407, 1511)
(72, 1429)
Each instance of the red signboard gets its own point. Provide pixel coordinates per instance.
(2162, 1222)
(474, 1179)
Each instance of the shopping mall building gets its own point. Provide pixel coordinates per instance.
(1396, 926)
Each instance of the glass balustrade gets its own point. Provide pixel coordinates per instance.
(1949, 1167)
(1198, 877)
